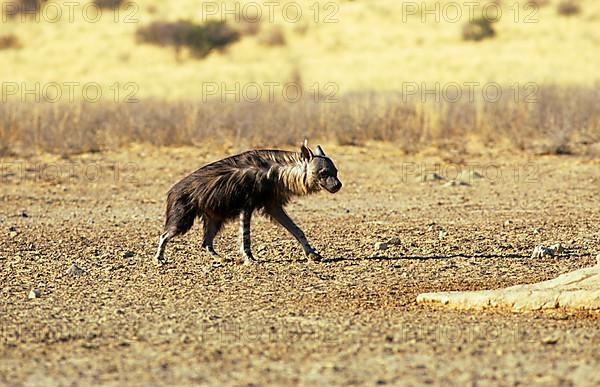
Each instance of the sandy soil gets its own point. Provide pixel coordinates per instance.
(352, 319)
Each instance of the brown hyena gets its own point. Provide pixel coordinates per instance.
(237, 186)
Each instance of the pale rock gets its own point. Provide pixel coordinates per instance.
(543, 251)
(75, 270)
(380, 246)
(579, 289)
(34, 293)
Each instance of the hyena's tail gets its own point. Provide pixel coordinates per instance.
(181, 212)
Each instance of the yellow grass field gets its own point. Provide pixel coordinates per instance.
(366, 45)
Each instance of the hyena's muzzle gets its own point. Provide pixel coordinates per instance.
(332, 184)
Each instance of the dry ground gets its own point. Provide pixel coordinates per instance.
(350, 320)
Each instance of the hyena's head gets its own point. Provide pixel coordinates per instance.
(321, 172)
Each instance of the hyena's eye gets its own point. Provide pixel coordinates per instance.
(323, 173)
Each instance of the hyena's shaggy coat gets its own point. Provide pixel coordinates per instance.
(263, 180)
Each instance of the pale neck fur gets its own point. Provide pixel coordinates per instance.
(293, 178)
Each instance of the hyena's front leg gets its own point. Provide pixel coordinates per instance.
(279, 215)
(245, 244)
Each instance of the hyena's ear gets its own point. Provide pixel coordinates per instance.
(305, 151)
(319, 151)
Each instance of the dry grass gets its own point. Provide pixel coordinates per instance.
(569, 7)
(274, 36)
(478, 29)
(248, 23)
(10, 41)
(563, 120)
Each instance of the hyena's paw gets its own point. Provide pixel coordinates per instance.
(159, 260)
(314, 256)
(216, 256)
(249, 261)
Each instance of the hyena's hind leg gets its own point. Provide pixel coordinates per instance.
(180, 218)
(165, 237)
(211, 229)
(245, 244)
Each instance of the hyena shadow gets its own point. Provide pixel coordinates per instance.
(424, 257)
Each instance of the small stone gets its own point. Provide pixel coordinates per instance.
(476, 175)
(598, 259)
(537, 230)
(471, 175)
(128, 254)
(543, 251)
(12, 234)
(75, 270)
(260, 247)
(34, 293)
(395, 241)
(540, 252)
(557, 248)
(508, 222)
(550, 340)
(431, 177)
(442, 234)
(380, 246)
(456, 183)
(24, 214)
(88, 345)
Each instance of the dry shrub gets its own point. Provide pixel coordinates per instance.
(248, 23)
(199, 38)
(275, 36)
(22, 7)
(560, 122)
(301, 28)
(478, 29)
(539, 3)
(569, 7)
(218, 34)
(9, 41)
(109, 4)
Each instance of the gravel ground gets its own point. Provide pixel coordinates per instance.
(352, 319)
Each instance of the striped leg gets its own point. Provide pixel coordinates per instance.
(165, 237)
(159, 258)
(245, 244)
(281, 217)
(211, 229)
